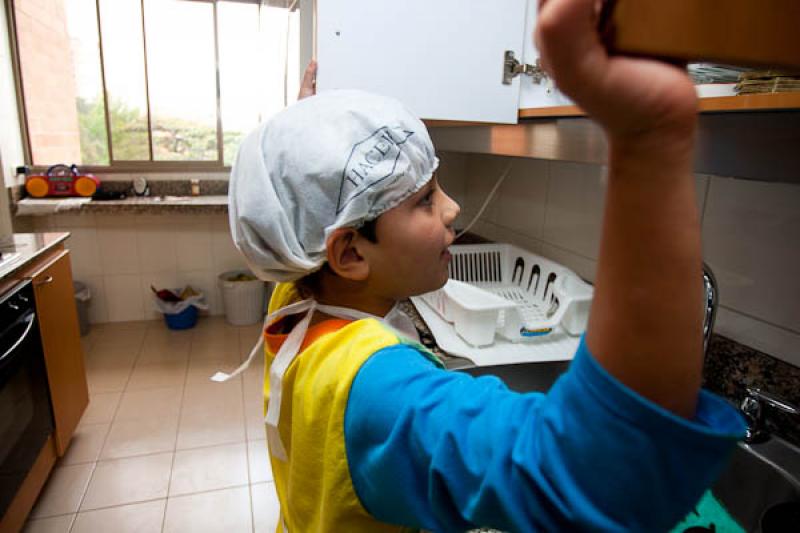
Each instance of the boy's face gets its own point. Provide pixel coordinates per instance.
(410, 256)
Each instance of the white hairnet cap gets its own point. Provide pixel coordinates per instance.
(334, 160)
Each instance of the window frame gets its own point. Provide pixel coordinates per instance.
(125, 166)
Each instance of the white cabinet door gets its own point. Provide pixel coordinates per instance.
(545, 93)
(442, 58)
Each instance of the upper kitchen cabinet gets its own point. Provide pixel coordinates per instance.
(475, 60)
(761, 35)
(443, 59)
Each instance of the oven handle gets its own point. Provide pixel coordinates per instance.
(30, 319)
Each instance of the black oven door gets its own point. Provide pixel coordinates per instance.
(26, 418)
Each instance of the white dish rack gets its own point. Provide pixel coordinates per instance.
(502, 289)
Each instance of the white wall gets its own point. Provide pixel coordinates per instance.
(751, 234)
(120, 256)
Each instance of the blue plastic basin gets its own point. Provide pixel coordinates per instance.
(184, 320)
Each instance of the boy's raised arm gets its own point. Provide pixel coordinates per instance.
(645, 326)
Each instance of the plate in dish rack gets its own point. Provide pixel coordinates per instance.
(556, 346)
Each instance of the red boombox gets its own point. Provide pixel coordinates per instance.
(62, 180)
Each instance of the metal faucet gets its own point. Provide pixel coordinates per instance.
(709, 305)
(753, 409)
(756, 400)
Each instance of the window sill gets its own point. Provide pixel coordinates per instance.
(197, 205)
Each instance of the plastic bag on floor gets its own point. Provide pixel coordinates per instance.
(172, 308)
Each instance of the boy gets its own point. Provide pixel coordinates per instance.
(367, 432)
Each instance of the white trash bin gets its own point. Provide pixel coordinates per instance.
(244, 301)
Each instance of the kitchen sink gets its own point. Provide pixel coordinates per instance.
(523, 377)
(761, 484)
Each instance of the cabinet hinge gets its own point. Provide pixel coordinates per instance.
(513, 68)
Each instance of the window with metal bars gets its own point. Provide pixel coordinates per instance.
(124, 85)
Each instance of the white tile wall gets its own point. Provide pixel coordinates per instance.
(120, 256)
(751, 234)
(155, 242)
(119, 250)
(574, 208)
(752, 239)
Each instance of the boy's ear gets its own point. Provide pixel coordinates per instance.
(343, 256)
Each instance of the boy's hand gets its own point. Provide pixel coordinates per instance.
(308, 87)
(628, 96)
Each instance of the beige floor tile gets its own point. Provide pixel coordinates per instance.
(131, 480)
(246, 345)
(215, 340)
(204, 469)
(214, 399)
(86, 443)
(258, 461)
(128, 438)
(200, 429)
(123, 333)
(120, 328)
(164, 355)
(253, 395)
(266, 508)
(63, 491)
(253, 380)
(102, 377)
(160, 334)
(101, 408)
(217, 351)
(254, 423)
(144, 517)
(56, 524)
(87, 342)
(157, 375)
(140, 404)
(210, 512)
(249, 336)
(160, 347)
(118, 349)
(114, 351)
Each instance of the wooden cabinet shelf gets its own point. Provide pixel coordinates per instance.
(715, 104)
(740, 103)
(751, 102)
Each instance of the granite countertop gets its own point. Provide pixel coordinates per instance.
(20, 249)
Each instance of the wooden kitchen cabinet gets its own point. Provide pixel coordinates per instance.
(63, 353)
(751, 33)
(445, 59)
(51, 276)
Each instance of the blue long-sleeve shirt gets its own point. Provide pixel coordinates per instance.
(444, 451)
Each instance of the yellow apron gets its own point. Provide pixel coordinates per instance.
(316, 491)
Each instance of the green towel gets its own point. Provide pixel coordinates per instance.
(709, 511)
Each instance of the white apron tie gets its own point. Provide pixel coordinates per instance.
(395, 319)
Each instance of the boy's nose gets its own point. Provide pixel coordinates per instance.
(450, 211)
